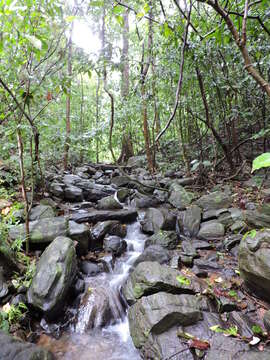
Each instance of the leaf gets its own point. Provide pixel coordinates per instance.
(167, 31)
(199, 344)
(118, 10)
(261, 161)
(120, 20)
(70, 18)
(34, 41)
(183, 280)
(257, 330)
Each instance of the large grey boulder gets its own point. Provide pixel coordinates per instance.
(154, 315)
(109, 203)
(152, 221)
(189, 221)
(179, 197)
(257, 219)
(254, 262)
(167, 239)
(14, 349)
(41, 212)
(215, 200)
(94, 216)
(73, 193)
(154, 253)
(211, 230)
(55, 273)
(81, 234)
(151, 277)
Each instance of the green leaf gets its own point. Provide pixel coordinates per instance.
(167, 31)
(261, 161)
(257, 330)
(118, 10)
(70, 18)
(120, 20)
(34, 41)
(146, 8)
(183, 280)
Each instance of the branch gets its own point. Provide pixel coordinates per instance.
(244, 25)
(180, 81)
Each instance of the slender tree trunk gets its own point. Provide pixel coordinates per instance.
(97, 118)
(81, 118)
(68, 100)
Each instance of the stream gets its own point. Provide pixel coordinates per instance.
(111, 342)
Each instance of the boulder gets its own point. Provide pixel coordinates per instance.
(154, 253)
(167, 239)
(101, 229)
(14, 349)
(211, 230)
(94, 216)
(109, 203)
(115, 245)
(3, 285)
(254, 262)
(120, 181)
(73, 194)
(215, 200)
(136, 161)
(257, 219)
(41, 231)
(81, 234)
(90, 268)
(154, 315)
(41, 212)
(179, 197)
(190, 220)
(57, 189)
(151, 277)
(55, 272)
(152, 221)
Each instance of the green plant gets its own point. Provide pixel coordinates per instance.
(231, 331)
(11, 314)
(262, 161)
(183, 280)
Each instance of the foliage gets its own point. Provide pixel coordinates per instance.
(11, 314)
(262, 161)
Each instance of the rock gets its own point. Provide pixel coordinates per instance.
(101, 229)
(41, 212)
(188, 249)
(136, 161)
(179, 197)
(3, 285)
(81, 234)
(154, 253)
(41, 231)
(190, 220)
(79, 287)
(215, 200)
(14, 349)
(73, 194)
(120, 181)
(239, 227)
(90, 268)
(151, 277)
(109, 203)
(141, 201)
(231, 241)
(115, 245)
(227, 348)
(211, 230)
(167, 239)
(122, 194)
(71, 180)
(186, 181)
(154, 315)
(57, 189)
(94, 192)
(254, 262)
(266, 320)
(94, 216)
(99, 306)
(257, 219)
(55, 272)
(152, 221)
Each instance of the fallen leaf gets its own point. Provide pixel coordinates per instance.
(199, 344)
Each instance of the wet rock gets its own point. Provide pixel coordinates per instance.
(111, 227)
(115, 245)
(190, 220)
(120, 181)
(20, 298)
(81, 234)
(71, 180)
(214, 201)
(73, 194)
(79, 287)
(243, 323)
(179, 197)
(99, 306)
(141, 201)
(188, 249)
(201, 245)
(8, 262)
(254, 262)
(41, 212)
(55, 272)
(231, 241)
(162, 196)
(239, 227)
(152, 221)
(14, 349)
(151, 277)
(169, 219)
(41, 231)
(109, 203)
(94, 192)
(90, 268)
(94, 216)
(186, 181)
(122, 194)
(167, 239)
(154, 315)
(154, 253)
(211, 230)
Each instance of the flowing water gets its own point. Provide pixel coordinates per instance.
(112, 342)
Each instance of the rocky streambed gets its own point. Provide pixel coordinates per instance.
(127, 271)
